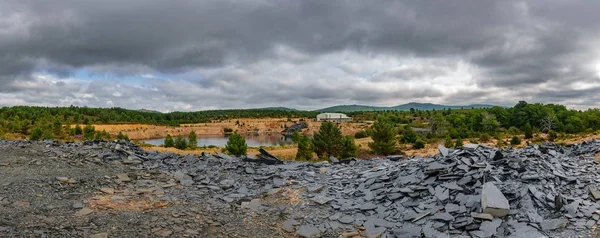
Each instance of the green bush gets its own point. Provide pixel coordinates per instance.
(409, 135)
(514, 131)
(515, 140)
(361, 134)
(180, 143)
(528, 131)
(88, 132)
(384, 137)
(192, 139)
(419, 144)
(349, 149)
(552, 135)
(122, 136)
(236, 145)
(36, 134)
(485, 137)
(169, 142)
(448, 142)
(305, 148)
(78, 130)
(459, 142)
(227, 130)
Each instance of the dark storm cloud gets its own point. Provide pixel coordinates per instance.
(264, 52)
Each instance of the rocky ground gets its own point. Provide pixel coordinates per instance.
(116, 189)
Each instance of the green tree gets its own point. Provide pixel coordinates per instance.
(36, 134)
(459, 142)
(236, 145)
(192, 139)
(438, 125)
(78, 130)
(328, 141)
(349, 149)
(88, 132)
(409, 135)
(305, 149)
(57, 128)
(528, 131)
(515, 140)
(361, 134)
(384, 137)
(448, 142)
(169, 142)
(490, 124)
(180, 143)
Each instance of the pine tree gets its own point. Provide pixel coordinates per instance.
(36, 134)
(180, 143)
(448, 142)
(305, 149)
(78, 130)
(88, 132)
(409, 135)
(383, 134)
(528, 131)
(169, 142)
(349, 149)
(459, 142)
(328, 141)
(236, 145)
(122, 136)
(192, 140)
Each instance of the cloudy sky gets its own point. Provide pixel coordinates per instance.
(175, 55)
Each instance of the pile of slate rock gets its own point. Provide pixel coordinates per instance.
(473, 191)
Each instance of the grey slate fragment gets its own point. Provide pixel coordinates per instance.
(484, 216)
(443, 216)
(493, 201)
(411, 232)
(346, 219)
(443, 150)
(527, 232)
(308, 231)
(451, 207)
(553, 224)
(374, 232)
(595, 194)
(368, 206)
(441, 193)
(491, 226)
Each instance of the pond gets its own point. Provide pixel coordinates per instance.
(221, 140)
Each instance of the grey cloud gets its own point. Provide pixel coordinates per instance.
(228, 53)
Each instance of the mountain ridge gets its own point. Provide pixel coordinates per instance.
(402, 107)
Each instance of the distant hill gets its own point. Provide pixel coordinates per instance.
(146, 110)
(277, 109)
(403, 107)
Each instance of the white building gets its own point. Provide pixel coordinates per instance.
(335, 117)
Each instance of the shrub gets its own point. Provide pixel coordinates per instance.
(192, 140)
(409, 135)
(384, 137)
(485, 137)
(122, 136)
(514, 131)
(473, 141)
(236, 145)
(528, 131)
(459, 142)
(500, 144)
(78, 130)
(180, 143)
(552, 135)
(169, 142)
(227, 130)
(36, 134)
(328, 141)
(89, 132)
(448, 142)
(349, 149)
(515, 140)
(419, 144)
(305, 148)
(361, 134)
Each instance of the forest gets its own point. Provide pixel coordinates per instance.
(50, 122)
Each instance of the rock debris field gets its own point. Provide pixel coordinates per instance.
(116, 189)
